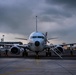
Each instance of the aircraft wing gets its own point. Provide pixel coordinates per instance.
(21, 38)
(71, 44)
(23, 46)
(15, 48)
(6, 44)
(52, 38)
(58, 49)
(14, 45)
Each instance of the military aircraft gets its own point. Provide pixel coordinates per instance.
(37, 43)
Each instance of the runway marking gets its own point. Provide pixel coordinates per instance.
(38, 62)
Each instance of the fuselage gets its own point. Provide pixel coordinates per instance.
(36, 41)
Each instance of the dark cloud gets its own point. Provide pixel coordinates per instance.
(66, 35)
(57, 12)
(53, 14)
(16, 17)
(45, 18)
(59, 9)
(69, 3)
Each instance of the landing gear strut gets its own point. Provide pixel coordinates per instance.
(48, 53)
(25, 53)
(37, 56)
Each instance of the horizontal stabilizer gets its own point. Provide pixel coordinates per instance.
(52, 38)
(21, 38)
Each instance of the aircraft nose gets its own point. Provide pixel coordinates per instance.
(37, 43)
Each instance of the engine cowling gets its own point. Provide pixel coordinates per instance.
(15, 50)
(59, 50)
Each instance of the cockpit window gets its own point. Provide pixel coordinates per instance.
(41, 37)
(37, 37)
(34, 37)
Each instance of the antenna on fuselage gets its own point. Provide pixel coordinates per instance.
(36, 23)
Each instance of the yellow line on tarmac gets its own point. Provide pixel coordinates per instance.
(37, 62)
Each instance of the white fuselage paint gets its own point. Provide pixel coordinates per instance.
(37, 37)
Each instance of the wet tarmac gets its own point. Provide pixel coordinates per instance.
(18, 65)
(40, 66)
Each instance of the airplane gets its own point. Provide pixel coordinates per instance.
(37, 43)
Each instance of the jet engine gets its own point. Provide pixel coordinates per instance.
(15, 50)
(59, 50)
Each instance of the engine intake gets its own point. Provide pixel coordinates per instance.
(15, 50)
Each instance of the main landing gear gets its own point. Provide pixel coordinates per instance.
(48, 52)
(25, 53)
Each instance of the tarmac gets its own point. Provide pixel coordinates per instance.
(40, 66)
(18, 65)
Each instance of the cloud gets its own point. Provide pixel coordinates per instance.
(61, 16)
(69, 3)
(54, 14)
(15, 16)
(58, 9)
(57, 17)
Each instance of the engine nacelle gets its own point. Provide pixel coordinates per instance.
(15, 50)
(59, 50)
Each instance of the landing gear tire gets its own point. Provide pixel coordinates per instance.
(25, 54)
(48, 53)
(37, 56)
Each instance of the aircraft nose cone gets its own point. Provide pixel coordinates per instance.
(37, 43)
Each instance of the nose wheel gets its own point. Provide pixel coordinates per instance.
(37, 54)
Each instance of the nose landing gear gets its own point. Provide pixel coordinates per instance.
(37, 54)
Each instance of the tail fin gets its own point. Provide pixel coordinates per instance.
(46, 37)
(36, 23)
(46, 34)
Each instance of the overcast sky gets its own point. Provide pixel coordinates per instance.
(57, 17)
